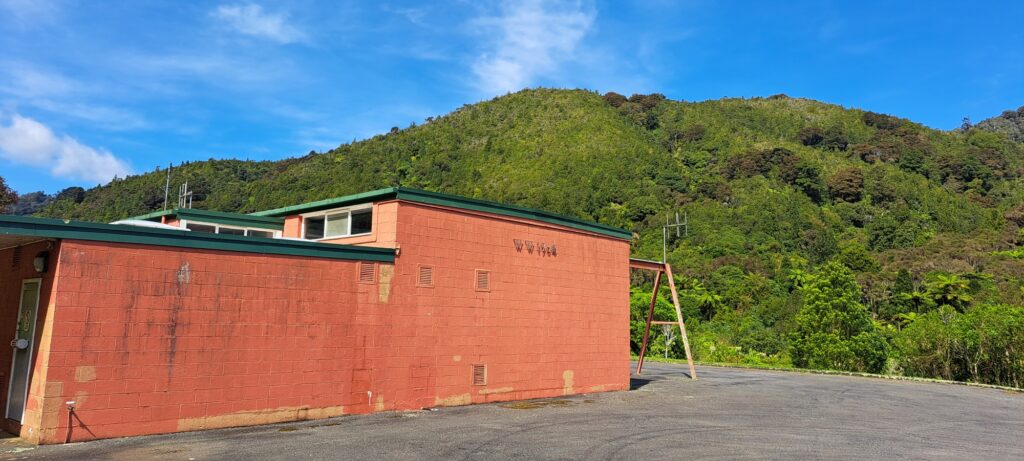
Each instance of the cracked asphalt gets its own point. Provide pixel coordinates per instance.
(726, 414)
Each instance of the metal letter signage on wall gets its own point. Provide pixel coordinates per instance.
(542, 249)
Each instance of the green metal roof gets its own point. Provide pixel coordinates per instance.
(454, 201)
(218, 217)
(77, 230)
(354, 199)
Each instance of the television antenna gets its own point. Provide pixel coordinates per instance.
(184, 196)
(685, 224)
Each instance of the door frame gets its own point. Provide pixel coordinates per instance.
(31, 349)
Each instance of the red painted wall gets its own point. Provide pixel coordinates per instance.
(152, 339)
(550, 324)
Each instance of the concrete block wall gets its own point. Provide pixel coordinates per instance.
(156, 339)
(550, 324)
(148, 339)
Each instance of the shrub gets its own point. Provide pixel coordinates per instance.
(847, 185)
(810, 136)
(7, 196)
(834, 330)
(890, 231)
(835, 139)
(614, 99)
(74, 194)
(881, 121)
(984, 344)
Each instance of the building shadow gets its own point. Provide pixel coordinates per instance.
(637, 383)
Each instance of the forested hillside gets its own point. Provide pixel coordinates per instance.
(818, 236)
(1010, 123)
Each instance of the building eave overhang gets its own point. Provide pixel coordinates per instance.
(452, 201)
(44, 228)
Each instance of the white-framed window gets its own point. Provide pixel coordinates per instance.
(229, 230)
(337, 223)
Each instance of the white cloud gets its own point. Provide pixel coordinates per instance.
(251, 20)
(535, 37)
(29, 142)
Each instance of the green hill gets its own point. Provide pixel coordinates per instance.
(784, 196)
(1010, 123)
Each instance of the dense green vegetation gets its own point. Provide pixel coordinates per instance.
(818, 236)
(7, 196)
(1010, 123)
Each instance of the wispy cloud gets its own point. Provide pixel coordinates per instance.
(25, 85)
(217, 68)
(28, 13)
(534, 39)
(413, 15)
(25, 81)
(250, 19)
(28, 142)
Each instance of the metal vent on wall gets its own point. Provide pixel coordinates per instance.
(479, 375)
(16, 257)
(367, 272)
(483, 280)
(426, 276)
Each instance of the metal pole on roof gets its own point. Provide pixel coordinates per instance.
(664, 242)
(167, 186)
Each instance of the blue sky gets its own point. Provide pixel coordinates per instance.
(93, 89)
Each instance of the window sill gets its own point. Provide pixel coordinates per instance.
(350, 240)
(338, 237)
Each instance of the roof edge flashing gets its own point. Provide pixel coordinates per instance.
(77, 230)
(454, 201)
(217, 217)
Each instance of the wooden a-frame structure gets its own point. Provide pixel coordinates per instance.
(662, 269)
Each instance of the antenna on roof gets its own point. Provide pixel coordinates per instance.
(167, 186)
(664, 232)
(184, 196)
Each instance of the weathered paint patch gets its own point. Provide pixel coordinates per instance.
(387, 272)
(456, 358)
(497, 390)
(80, 398)
(85, 373)
(567, 382)
(184, 273)
(53, 389)
(453, 401)
(249, 418)
(600, 388)
(379, 406)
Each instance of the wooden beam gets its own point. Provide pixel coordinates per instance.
(646, 265)
(679, 315)
(650, 317)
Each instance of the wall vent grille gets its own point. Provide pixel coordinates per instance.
(16, 258)
(483, 280)
(367, 272)
(425, 278)
(479, 375)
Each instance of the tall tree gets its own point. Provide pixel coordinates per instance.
(834, 330)
(7, 196)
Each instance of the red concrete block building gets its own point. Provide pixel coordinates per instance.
(394, 299)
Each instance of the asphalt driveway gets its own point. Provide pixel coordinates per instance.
(727, 414)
